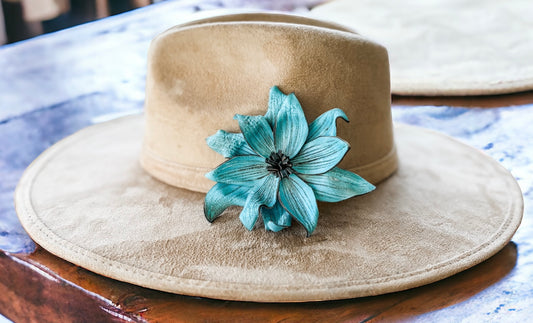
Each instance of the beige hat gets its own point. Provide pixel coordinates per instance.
(446, 47)
(439, 206)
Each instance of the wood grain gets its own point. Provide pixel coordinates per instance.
(474, 101)
(40, 287)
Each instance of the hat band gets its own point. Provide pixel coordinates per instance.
(193, 178)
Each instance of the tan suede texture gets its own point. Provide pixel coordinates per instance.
(446, 47)
(201, 74)
(265, 17)
(87, 200)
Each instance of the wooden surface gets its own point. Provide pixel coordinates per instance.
(57, 84)
(60, 291)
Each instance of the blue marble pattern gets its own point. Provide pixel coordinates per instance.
(56, 84)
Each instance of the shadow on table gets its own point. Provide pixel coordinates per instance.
(474, 101)
(62, 291)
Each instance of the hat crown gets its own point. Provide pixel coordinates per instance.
(203, 73)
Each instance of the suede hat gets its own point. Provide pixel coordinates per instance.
(443, 47)
(125, 198)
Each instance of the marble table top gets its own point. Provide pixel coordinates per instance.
(56, 84)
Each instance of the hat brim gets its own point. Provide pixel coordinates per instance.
(440, 63)
(448, 207)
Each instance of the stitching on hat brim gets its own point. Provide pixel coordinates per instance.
(233, 291)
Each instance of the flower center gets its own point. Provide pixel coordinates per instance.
(279, 164)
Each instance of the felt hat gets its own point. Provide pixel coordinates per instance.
(125, 198)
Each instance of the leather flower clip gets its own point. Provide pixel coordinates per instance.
(279, 166)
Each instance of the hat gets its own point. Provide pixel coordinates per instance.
(125, 198)
(446, 47)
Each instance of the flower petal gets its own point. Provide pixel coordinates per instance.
(291, 127)
(337, 185)
(229, 144)
(275, 101)
(299, 200)
(264, 193)
(221, 196)
(276, 218)
(257, 133)
(325, 124)
(320, 155)
(240, 170)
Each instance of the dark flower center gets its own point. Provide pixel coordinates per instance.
(279, 164)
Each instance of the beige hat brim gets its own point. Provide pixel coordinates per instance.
(446, 47)
(87, 200)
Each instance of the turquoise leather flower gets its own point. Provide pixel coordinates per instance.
(279, 166)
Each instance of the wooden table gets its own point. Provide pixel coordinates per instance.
(56, 84)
